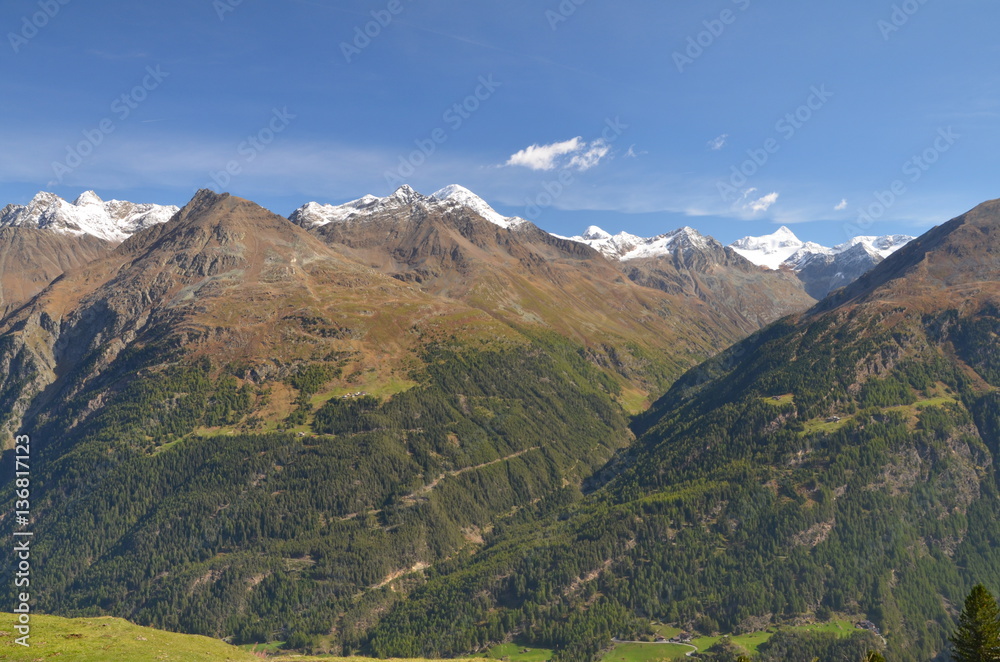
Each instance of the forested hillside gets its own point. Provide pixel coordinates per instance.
(841, 462)
(239, 431)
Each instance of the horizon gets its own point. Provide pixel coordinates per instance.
(577, 235)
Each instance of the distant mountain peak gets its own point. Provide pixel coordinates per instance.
(594, 232)
(88, 198)
(783, 249)
(625, 246)
(112, 221)
(313, 214)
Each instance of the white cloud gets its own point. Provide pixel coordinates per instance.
(841, 206)
(549, 157)
(545, 157)
(716, 144)
(762, 204)
(597, 151)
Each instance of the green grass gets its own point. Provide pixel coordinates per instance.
(329, 658)
(634, 400)
(750, 642)
(936, 402)
(117, 640)
(817, 425)
(512, 652)
(271, 648)
(374, 385)
(780, 400)
(645, 653)
(104, 639)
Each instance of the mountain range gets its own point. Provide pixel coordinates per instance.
(821, 269)
(411, 426)
(226, 400)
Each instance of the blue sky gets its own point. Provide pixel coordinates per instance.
(633, 115)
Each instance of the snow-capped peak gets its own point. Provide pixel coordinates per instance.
(459, 195)
(88, 198)
(595, 233)
(883, 246)
(625, 246)
(114, 220)
(313, 214)
(783, 248)
(771, 250)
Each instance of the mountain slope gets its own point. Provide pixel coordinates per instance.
(844, 460)
(733, 288)
(241, 430)
(31, 259)
(689, 263)
(523, 276)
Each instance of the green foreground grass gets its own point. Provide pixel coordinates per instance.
(116, 640)
(103, 639)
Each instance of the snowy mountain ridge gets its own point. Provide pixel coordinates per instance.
(625, 246)
(314, 214)
(112, 220)
(783, 249)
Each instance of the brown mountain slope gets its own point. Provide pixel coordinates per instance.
(731, 286)
(956, 261)
(528, 278)
(224, 279)
(30, 259)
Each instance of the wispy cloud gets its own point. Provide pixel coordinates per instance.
(841, 206)
(761, 204)
(588, 159)
(715, 144)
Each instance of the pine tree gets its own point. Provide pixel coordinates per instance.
(977, 638)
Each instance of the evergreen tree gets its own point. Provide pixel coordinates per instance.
(977, 638)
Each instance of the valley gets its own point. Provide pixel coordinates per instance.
(412, 428)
